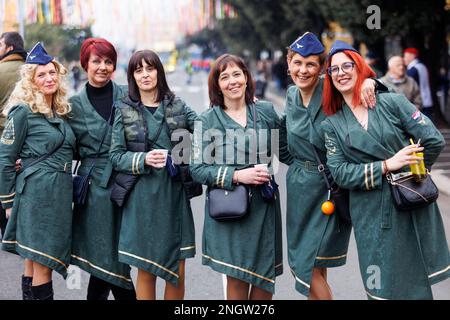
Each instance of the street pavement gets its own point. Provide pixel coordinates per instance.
(201, 282)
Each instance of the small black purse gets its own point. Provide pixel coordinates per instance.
(225, 205)
(125, 182)
(81, 183)
(409, 194)
(81, 186)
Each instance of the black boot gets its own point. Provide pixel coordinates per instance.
(43, 292)
(98, 289)
(123, 294)
(26, 288)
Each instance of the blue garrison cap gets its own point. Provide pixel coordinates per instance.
(38, 55)
(339, 46)
(307, 45)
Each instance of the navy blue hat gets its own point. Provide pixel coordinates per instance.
(307, 45)
(339, 46)
(38, 55)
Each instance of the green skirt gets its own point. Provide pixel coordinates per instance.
(96, 228)
(314, 239)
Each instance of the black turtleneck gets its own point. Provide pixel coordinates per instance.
(101, 99)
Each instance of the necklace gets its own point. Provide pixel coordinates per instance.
(362, 118)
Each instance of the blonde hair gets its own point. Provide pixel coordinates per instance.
(26, 92)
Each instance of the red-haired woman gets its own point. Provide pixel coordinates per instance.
(96, 224)
(401, 254)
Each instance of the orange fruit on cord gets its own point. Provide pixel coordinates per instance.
(328, 208)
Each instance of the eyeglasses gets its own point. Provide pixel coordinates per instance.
(346, 67)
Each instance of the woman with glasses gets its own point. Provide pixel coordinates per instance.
(315, 241)
(401, 254)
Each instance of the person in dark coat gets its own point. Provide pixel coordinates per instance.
(401, 253)
(96, 224)
(157, 233)
(38, 200)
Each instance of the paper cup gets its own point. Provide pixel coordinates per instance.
(263, 167)
(163, 151)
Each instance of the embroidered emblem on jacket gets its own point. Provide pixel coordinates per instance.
(8, 136)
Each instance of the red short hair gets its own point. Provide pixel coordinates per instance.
(98, 46)
(332, 99)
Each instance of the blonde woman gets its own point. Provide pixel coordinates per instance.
(38, 199)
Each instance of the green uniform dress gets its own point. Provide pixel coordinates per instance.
(96, 224)
(157, 226)
(249, 249)
(314, 239)
(401, 254)
(40, 227)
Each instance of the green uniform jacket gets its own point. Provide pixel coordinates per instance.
(40, 227)
(314, 239)
(96, 225)
(400, 253)
(9, 75)
(249, 249)
(157, 225)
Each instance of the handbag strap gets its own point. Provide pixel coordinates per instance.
(105, 133)
(255, 129)
(321, 167)
(45, 156)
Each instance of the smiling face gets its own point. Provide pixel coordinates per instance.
(146, 77)
(46, 79)
(99, 70)
(233, 83)
(343, 73)
(304, 72)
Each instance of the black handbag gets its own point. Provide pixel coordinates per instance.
(193, 189)
(81, 183)
(409, 194)
(225, 205)
(124, 182)
(339, 196)
(80, 186)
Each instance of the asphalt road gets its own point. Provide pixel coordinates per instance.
(201, 282)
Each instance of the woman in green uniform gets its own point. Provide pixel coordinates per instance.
(249, 250)
(39, 198)
(157, 233)
(401, 254)
(315, 241)
(96, 223)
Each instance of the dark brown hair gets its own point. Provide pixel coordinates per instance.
(220, 65)
(152, 60)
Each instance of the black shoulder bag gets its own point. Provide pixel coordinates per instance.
(409, 194)
(339, 196)
(81, 183)
(124, 182)
(225, 205)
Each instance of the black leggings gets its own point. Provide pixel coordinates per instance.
(99, 290)
(3, 221)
